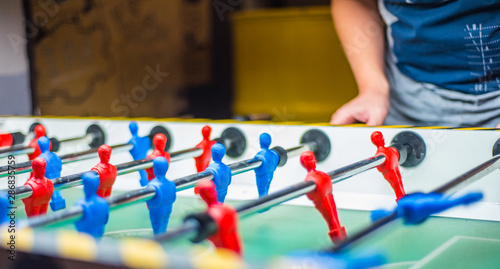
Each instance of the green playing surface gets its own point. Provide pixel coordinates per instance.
(437, 243)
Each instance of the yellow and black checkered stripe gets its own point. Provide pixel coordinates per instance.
(127, 252)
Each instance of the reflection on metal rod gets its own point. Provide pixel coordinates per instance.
(470, 176)
(303, 188)
(132, 197)
(296, 151)
(23, 192)
(25, 167)
(191, 227)
(91, 153)
(191, 180)
(449, 188)
(124, 168)
(16, 150)
(188, 230)
(146, 193)
(71, 214)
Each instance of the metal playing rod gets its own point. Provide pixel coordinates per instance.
(450, 187)
(232, 139)
(8, 140)
(20, 149)
(92, 153)
(191, 227)
(74, 180)
(406, 153)
(25, 167)
(16, 150)
(405, 150)
(17, 138)
(146, 193)
(303, 188)
(470, 176)
(94, 137)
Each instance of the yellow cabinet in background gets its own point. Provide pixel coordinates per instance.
(289, 63)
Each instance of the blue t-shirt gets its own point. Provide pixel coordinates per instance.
(453, 44)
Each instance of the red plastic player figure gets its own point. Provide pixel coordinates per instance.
(322, 196)
(225, 216)
(6, 140)
(160, 141)
(42, 188)
(390, 168)
(206, 144)
(39, 132)
(107, 172)
(204, 159)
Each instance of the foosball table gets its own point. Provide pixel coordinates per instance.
(159, 193)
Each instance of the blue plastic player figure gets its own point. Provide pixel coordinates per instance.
(4, 203)
(53, 170)
(139, 150)
(95, 208)
(160, 206)
(264, 173)
(417, 207)
(221, 172)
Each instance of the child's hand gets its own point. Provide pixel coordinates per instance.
(370, 108)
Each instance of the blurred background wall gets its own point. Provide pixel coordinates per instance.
(178, 58)
(15, 93)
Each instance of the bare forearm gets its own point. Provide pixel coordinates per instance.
(361, 32)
